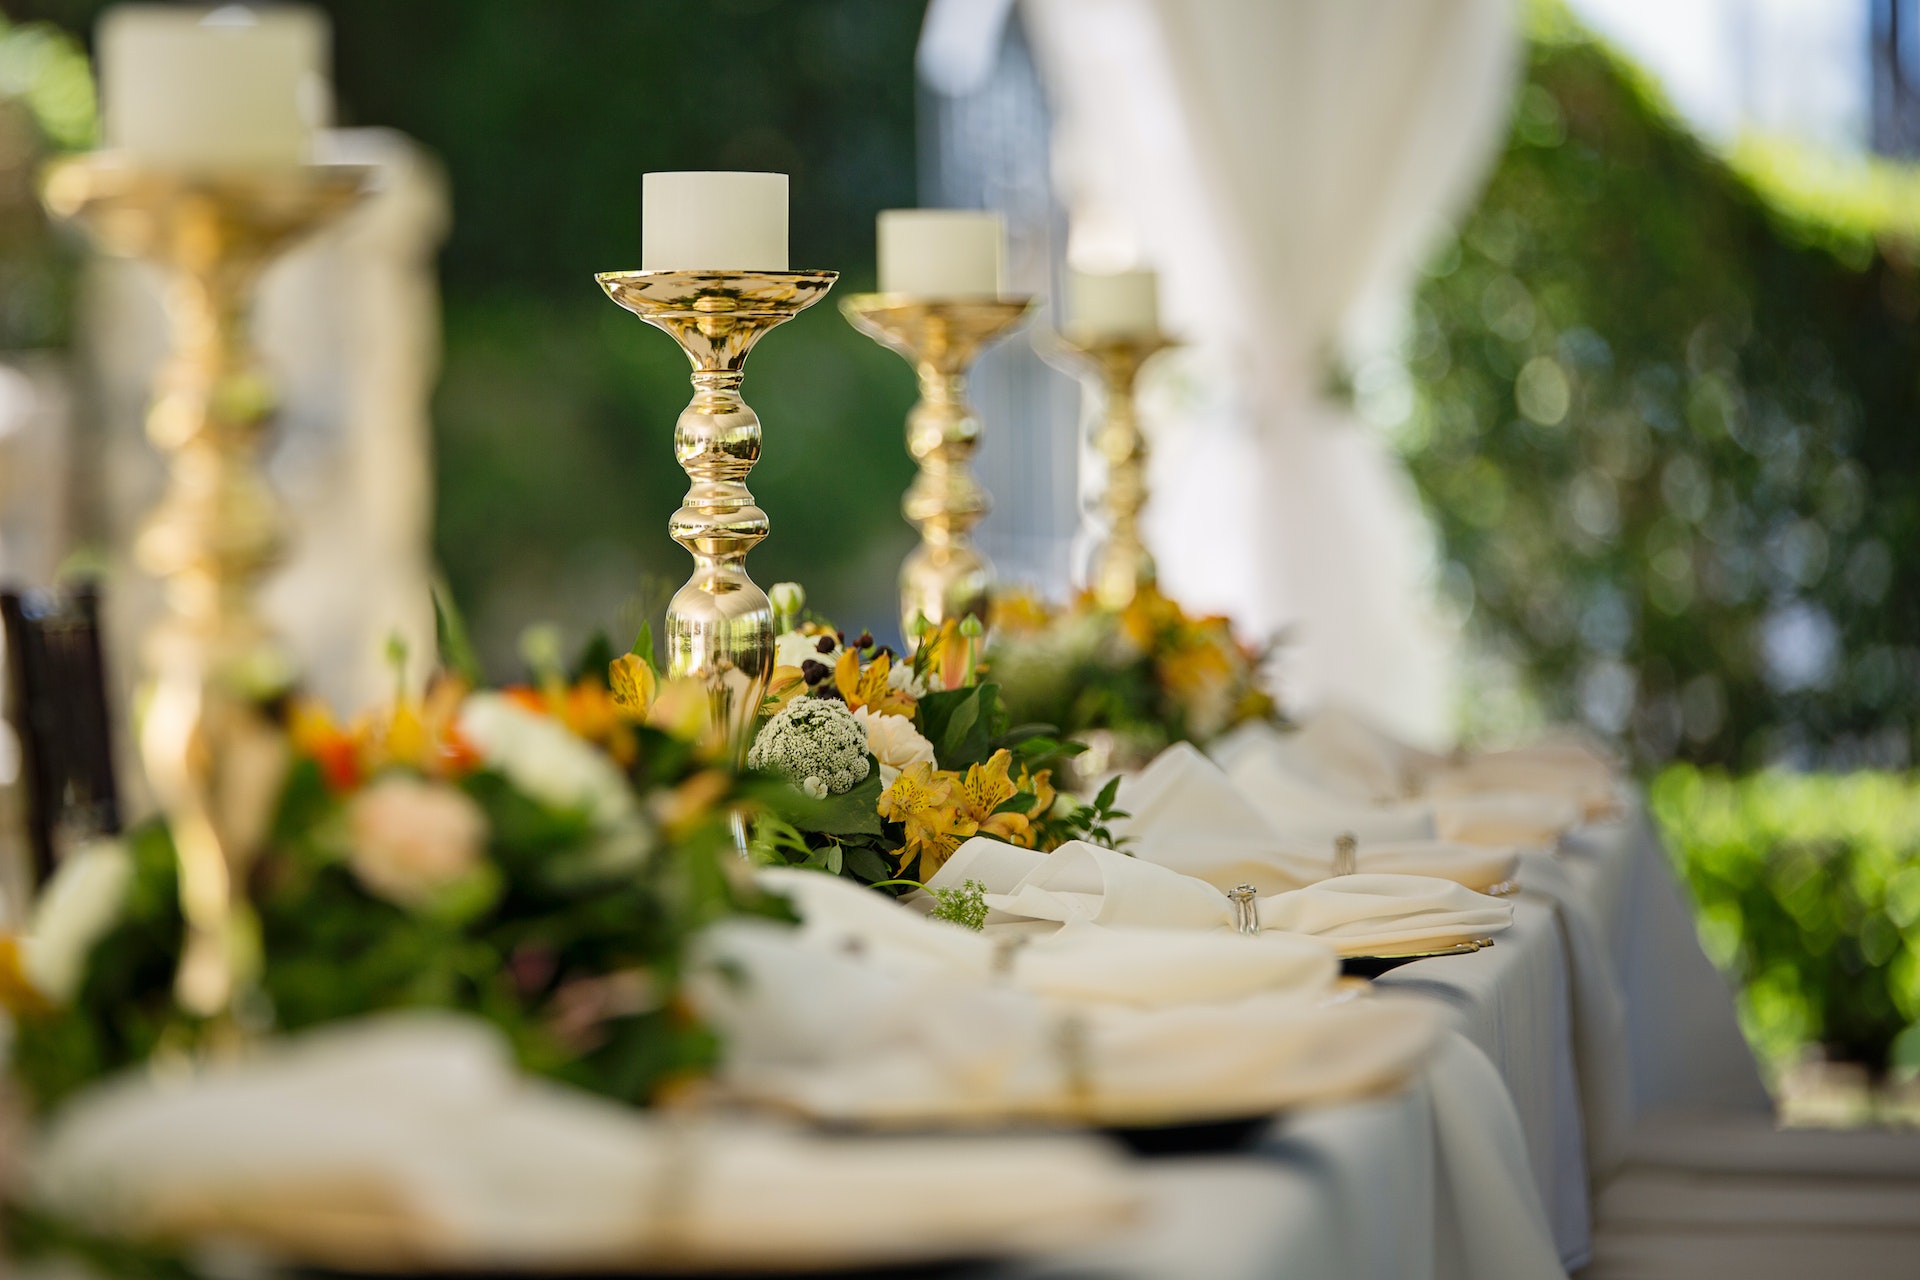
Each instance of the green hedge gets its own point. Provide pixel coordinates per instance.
(1666, 416)
(1808, 891)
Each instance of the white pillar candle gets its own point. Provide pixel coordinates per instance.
(1118, 304)
(941, 253)
(228, 88)
(713, 222)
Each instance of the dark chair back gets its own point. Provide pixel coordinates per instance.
(57, 702)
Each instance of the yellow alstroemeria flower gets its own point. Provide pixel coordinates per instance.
(18, 995)
(922, 800)
(987, 787)
(634, 685)
(867, 686)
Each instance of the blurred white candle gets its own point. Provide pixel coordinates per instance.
(228, 88)
(1118, 304)
(941, 253)
(713, 222)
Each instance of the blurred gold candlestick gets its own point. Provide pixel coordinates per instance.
(719, 625)
(1118, 564)
(212, 754)
(946, 576)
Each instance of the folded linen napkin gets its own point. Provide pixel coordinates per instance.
(1082, 961)
(408, 1142)
(1259, 765)
(1569, 771)
(838, 1035)
(1188, 814)
(1369, 914)
(1357, 914)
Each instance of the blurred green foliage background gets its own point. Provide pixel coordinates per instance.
(1808, 888)
(554, 418)
(1666, 411)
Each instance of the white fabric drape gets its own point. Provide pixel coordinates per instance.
(1283, 164)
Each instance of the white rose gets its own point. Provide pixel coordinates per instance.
(895, 743)
(411, 838)
(546, 759)
(792, 649)
(80, 905)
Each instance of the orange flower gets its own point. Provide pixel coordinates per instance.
(318, 738)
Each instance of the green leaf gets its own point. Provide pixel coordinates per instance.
(450, 634)
(959, 727)
(1108, 794)
(851, 813)
(594, 659)
(866, 864)
(643, 647)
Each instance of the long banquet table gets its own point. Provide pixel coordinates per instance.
(1596, 1010)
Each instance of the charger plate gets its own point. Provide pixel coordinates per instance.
(1375, 964)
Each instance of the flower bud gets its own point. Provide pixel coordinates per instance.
(971, 628)
(788, 598)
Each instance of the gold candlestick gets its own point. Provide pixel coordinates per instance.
(719, 625)
(946, 576)
(212, 755)
(1118, 564)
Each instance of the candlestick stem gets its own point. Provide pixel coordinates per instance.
(212, 752)
(1117, 563)
(719, 626)
(946, 576)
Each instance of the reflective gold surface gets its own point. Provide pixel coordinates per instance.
(719, 625)
(1118, 564)
(946, 576)
(212, 757)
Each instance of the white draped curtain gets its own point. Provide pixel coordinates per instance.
(1284, 165)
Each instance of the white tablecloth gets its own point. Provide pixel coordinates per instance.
(1416, 1187)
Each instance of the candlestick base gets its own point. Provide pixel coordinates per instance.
(1118, 564)
(719, 625)
(211, 753)
(946, 576)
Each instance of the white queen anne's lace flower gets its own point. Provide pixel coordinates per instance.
(816, 743)
(894, 742)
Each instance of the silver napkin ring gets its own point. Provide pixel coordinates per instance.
(1346, 854)
(1246, 911)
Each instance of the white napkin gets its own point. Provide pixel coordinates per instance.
(1188, 815)
(838, 1035)
(1082, 961)
(1297, 809)
(1358, 914)
(1372, 914)
(408, 1142)
(1572, 773)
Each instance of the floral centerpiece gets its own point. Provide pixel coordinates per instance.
(537, 856)
(1129, 681)
(895, 761)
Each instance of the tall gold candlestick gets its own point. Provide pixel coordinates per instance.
(946, 576)
(212, 755)
(719, 625)
(1118, 564)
